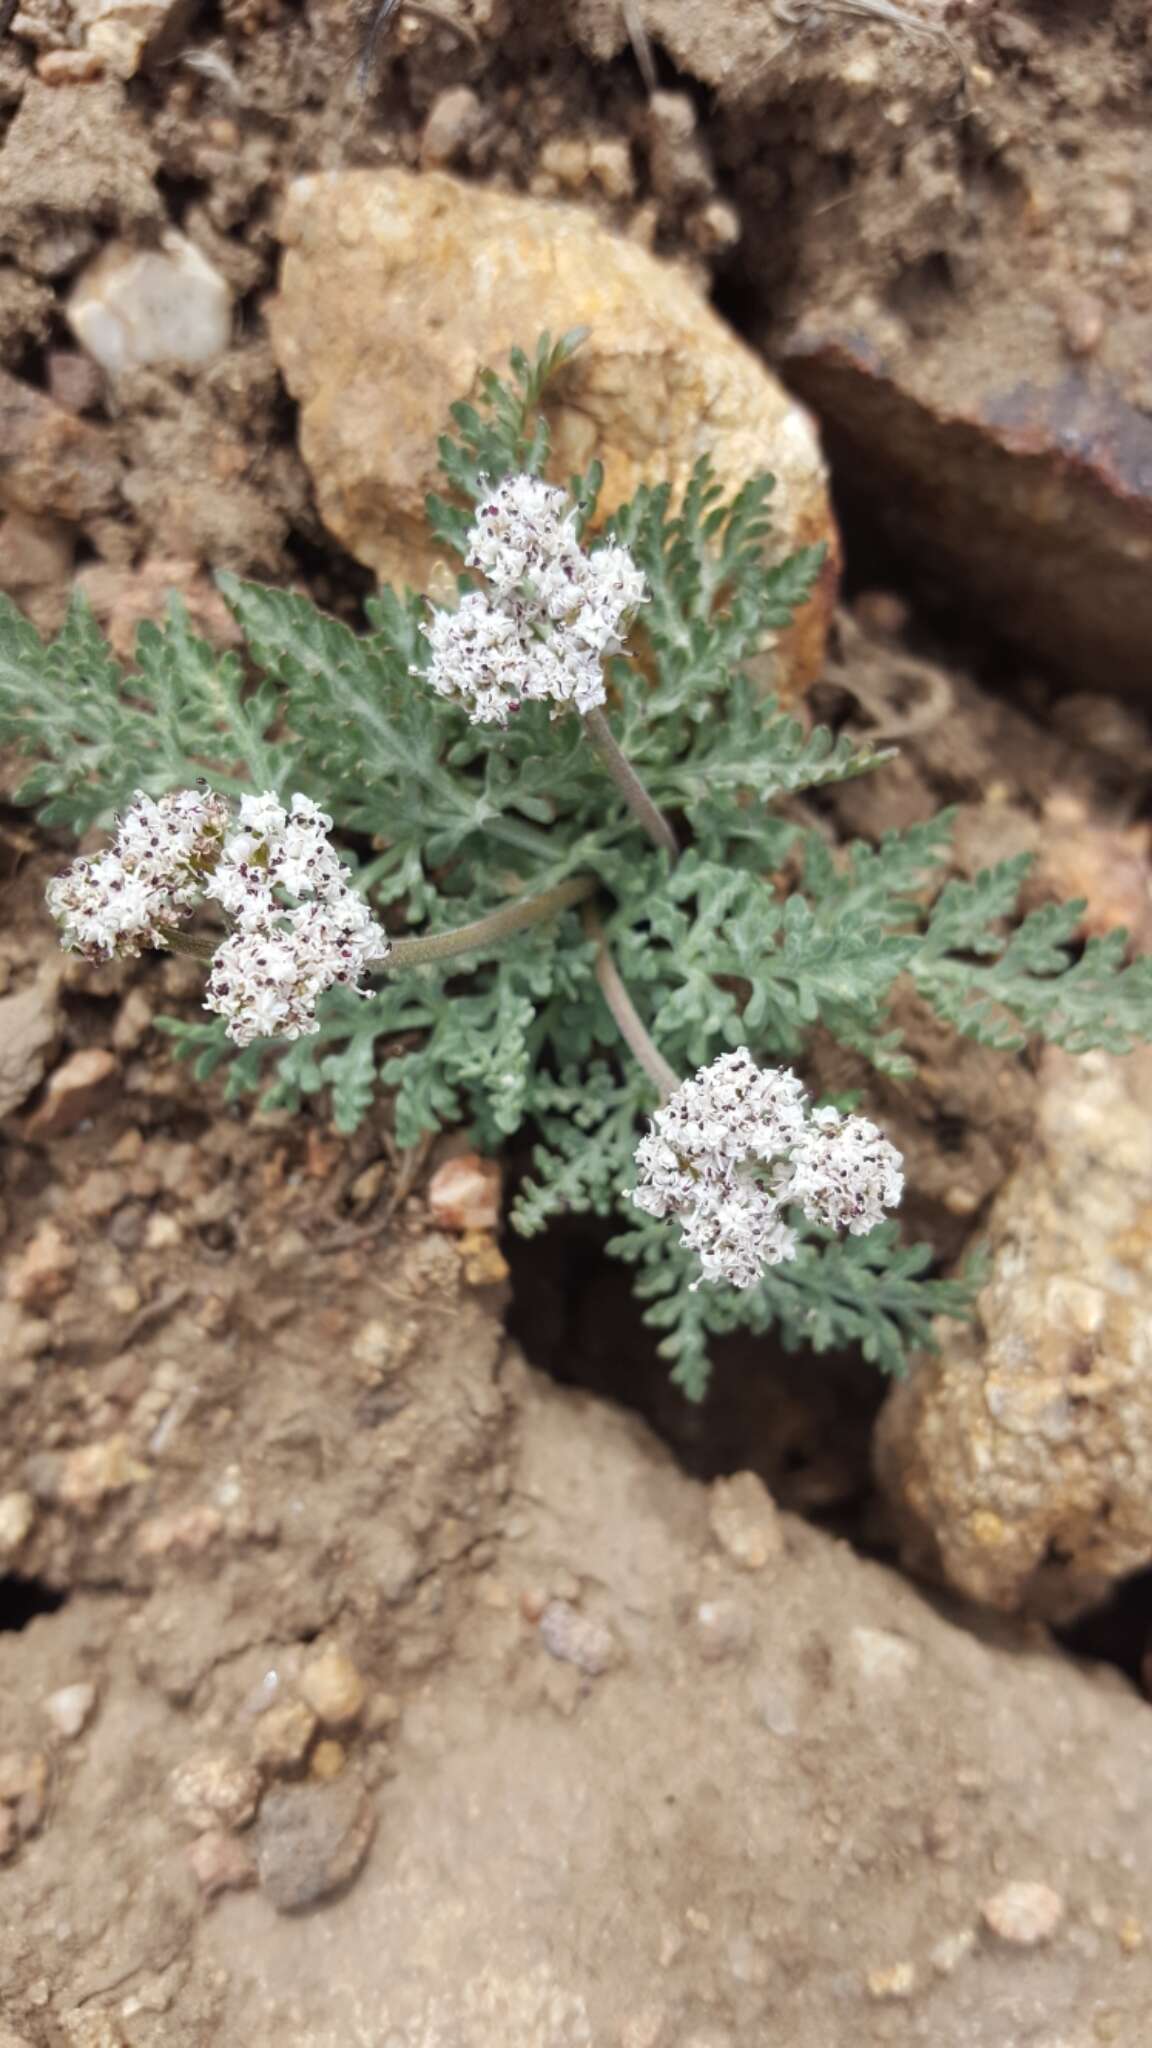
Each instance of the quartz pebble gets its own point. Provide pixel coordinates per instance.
(133, 308)
(71, 1708)
(1023, 1913)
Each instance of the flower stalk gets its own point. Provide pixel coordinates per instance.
(629, 784)
(627, 1018)
(499, 924)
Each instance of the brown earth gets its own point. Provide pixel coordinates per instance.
(251, 1404)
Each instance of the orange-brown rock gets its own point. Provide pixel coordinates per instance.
(397, 290)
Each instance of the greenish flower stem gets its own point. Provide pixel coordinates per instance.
(499, 924)
(629, 784)
(178, 941)
(624, 1012)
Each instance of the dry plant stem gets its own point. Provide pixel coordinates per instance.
(499, 924)
(624, 1012)
(629, 784)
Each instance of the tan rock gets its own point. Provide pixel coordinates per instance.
(29, 1020)
(214, 1792)
(282, 1737)
(55, 465)
(184, 1532)
(745, 1522)
(75, 1089)
(484, 1263)
(1023, 1913)
(464, 1193)
(93, 1472)
(17, 1514)
(24, 1787)
(35, 554)
(328, 1760)
(44, 1268)
(333, 1687)
(1019, 1459)
(220, 1862)
(397, 290)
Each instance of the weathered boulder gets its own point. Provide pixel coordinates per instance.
(1031, 491)
(1019, 1460)
(397, 290)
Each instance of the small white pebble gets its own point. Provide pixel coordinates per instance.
(71, 1708)
(1023, 1913)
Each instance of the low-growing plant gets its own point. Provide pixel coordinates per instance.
(563, 874)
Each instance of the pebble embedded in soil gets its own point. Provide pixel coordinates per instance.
(92, 1472)
(283, 1736)
(575, 1638)
(214, 1792)
(29, 1020)
(17, 1515)
(455, 119)
(220, 1863)
(71, 1708)
(137, 308)
(891, 1980)
(464, 1193)
(1023, 1913)
(312, 1840)
(328, 1760)
(722, 1628)
(333, 1688)
(745, 1522)
(44, 1268)
(78, 1087)
(24, 1788)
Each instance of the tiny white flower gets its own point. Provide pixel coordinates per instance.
(736, 1144)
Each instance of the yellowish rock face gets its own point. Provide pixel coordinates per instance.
(397, 290)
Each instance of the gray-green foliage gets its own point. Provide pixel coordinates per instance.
(450, 820)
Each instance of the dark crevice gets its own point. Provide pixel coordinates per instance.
(22, 1600)
(803, 1424)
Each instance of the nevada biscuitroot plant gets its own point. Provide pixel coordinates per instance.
(518, 862)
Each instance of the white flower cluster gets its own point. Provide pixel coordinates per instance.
(737, 1145)
(266, 977)
(119, 901)
(551, 613)
(280, 955)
